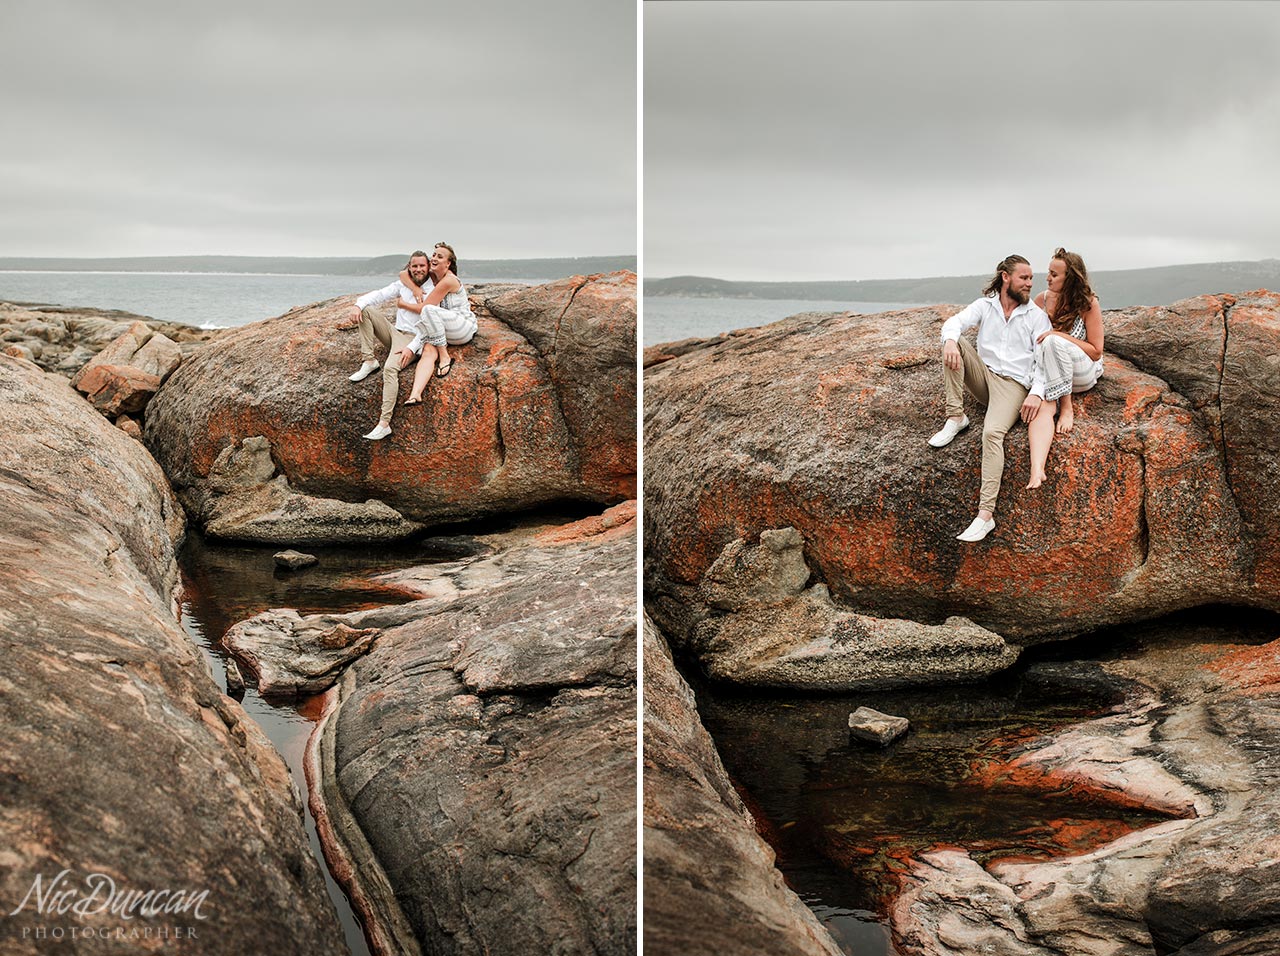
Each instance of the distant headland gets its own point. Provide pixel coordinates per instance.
(333, 266)
(1117, 289)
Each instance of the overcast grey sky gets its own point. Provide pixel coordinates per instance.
(790, 140)
(279, 127)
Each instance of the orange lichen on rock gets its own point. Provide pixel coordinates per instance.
(1255, 670)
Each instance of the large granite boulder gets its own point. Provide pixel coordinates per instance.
(710, 886)
(539, 408)
(1161, 499)
(473, 775)
(121, 759)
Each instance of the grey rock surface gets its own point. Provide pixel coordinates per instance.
(870, 725)
(710, 885)
(474, 773)
(119, 755)
(754, 620)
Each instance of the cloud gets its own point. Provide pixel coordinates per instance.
(869, 140)
(332, 128)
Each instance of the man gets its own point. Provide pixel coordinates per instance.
(1000, 372)
(403, 344)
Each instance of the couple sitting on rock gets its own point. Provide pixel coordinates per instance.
(1029, 358)
(430, 316)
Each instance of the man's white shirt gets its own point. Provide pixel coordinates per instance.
(406, 321)
(1006, 346)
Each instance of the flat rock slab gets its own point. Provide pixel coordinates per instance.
(871, 726)
(474, 774)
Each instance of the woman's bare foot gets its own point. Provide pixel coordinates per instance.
(1037, 479)
(1066, 416)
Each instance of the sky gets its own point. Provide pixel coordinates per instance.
(803, 141)
(318, 128)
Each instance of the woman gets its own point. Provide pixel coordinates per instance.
(1070, 355)
(445, 318)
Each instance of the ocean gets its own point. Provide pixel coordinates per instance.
(668, 318)
(206, 300)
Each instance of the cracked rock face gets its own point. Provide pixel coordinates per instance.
(539, 408)
(474, 774)
(118, 754)
(710, 886)
(1162, 498)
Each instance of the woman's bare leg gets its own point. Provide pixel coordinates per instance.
(1040, 437)
(1066, 415)
(422, 374)
(445, 362)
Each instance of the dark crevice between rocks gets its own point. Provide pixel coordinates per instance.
(555, 336)
(1144, 528)
(1222, 425)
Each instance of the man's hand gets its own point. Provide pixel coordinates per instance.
(1044, 335)
(951, 354)
(407, 357)
(1031, 408)
(352, 320)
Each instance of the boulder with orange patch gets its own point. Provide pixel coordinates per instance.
(511, 428)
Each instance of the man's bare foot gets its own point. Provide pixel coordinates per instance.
(1037, 478)
(1066, 420)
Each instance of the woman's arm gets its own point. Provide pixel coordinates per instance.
(446, 285)
(1091, 344)
(1092, 331)
(412, 286)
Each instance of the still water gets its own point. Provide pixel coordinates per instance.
(844, 818)
(206, 300)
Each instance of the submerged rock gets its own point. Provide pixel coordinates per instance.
(523, 419)
(293, 560)
(120, 754)
(870, 725)
(1162, 498)
(710, 886)
(473, 777)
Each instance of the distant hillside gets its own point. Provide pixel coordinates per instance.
(1117, 289)
(283, 265)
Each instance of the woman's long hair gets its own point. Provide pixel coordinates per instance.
(1076, 296)
(453, 256)
(1008, 264)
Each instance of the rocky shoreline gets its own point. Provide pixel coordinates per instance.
(540, 767)
(798, 535)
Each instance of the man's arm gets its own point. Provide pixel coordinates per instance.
(954, 327)
(962, 321)
(376, 297)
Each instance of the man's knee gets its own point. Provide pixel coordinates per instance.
(994, 434)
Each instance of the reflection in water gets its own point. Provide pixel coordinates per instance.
(844, 817)
(225, 584)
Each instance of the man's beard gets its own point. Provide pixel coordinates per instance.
(1022, 297)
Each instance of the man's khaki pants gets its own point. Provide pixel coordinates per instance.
(375, 328)
(1003, 398)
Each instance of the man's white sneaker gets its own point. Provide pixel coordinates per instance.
(365, 370)
(943, 436)
(382, 431)
(977, 531)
